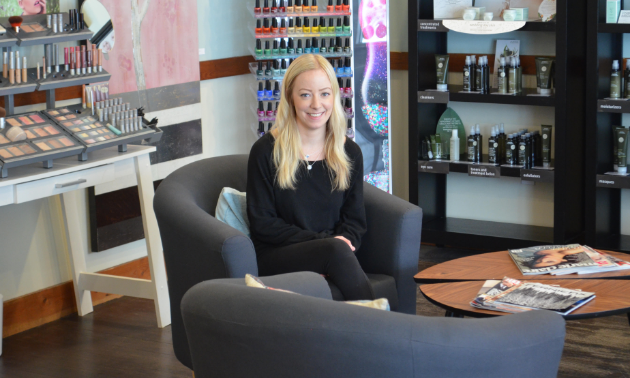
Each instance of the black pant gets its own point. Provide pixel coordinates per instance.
(331, 256)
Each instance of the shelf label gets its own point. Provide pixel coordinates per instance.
(484, 171)
(613, 106)
(537, 175)
(431, 26)
(483, 27)
(613, 181)
(433, 166)
(433, 97)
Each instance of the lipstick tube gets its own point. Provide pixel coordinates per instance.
(38, 71)
(18, 67)
(83, 97)
(5, 65)
(89, 61)
(55, 57)
(94, 58)
(100, 60)
(24, 77)
(44, 67)
(83, 60)
(65, 59)
(72, 60)
(77, 60)
(11, 68)
(48, 59)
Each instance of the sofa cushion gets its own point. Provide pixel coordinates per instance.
(232, 209)
(384, 286)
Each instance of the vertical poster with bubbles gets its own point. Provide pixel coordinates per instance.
(371, 87)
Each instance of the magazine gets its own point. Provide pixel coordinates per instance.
(548, 259)
(513, 296)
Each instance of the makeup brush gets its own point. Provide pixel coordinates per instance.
(16, 22)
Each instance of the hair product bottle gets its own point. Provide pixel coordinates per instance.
(502, 76)
(479, 76)
(626, 76)
(470, 145)
(454, 153)
(486, 65)
(512, 84)
(615, 80)
(467, 75)
(479, 148)
(492, 147)
(510, 150)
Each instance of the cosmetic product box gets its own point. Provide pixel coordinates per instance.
(613, 8)
(479, 11)
(522, 14)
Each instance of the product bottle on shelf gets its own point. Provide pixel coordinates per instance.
(492, 147)
(261, 129)
(350, 130)
(615, 80)
(502, 77)
(454, 152)
(479, 75)
(470, 145)
(486, 74)
(467, 67)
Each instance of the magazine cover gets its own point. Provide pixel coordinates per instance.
(550, 258)
(546, 297)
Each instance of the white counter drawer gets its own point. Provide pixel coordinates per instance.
(33, 190)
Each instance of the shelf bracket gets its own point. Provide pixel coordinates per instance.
(50, 99)
(9, 104)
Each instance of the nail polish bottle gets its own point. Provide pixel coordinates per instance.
(322, 24)
(261, 129)
(267, 48)
(323, 49)
(283, 27)
(260, 72)
(315, 28)
(306, 29)
(291, 48)
(330, 7)
(266, 7)
(261, 92)
(281, 8)
(290, 8)
(338, 7)
(298, 26)
(268, 91)
(268, 72)
(257, 9)
(346, 25)
(339, 28)
(276, 91)
(315, 46)
(331, 26)
(331, 47)
(348, 68)
(298, 6)
(259, 29)
(269, 113)
(299, 49)
(283, 47)
(348, 88)
(261, 110)
(275, 112)
(305, 7)
(291, 61)
(340, 84)
(307, 48)
(266, 28)
(283, 68)
(276, 49)
(274, 26)
(274, 7)
(346, 49)
(346, 6)
(350, 130)
(348, 107)
(314, 7)
(269, 125)
(340, 68)
(275, 70)
(259, 51)
(339, 46)
(291, 28)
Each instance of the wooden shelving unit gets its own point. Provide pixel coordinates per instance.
(429, 190)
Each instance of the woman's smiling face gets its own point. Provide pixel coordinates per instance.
(313, 99)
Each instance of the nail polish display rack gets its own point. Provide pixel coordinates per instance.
(253, 67)
(53, 80)
(77, 133)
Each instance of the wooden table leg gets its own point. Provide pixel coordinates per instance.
(628, 317)
(70, 214)
(154, 243)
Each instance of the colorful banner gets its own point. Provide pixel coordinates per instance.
(371, 83)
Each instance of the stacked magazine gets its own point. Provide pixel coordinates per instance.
(565, 259)
(514, 296)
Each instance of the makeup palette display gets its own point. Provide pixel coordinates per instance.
(44, 142)
(35, 30)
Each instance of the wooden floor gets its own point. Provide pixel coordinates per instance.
(121, 339)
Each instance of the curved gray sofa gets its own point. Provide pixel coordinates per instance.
(198, 247)
(236, 331)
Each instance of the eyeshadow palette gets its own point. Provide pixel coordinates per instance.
(16, 150)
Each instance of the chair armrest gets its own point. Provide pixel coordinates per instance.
(312, 337)
(391, 244)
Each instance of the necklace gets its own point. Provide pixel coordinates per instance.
(310, 166)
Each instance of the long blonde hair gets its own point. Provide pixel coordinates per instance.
(287, 151)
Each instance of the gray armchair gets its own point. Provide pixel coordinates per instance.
(236, 331)
(198, 247)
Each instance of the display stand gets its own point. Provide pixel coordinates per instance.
(603, 192)
(428, 190)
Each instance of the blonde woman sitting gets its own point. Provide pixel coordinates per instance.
(305, 184)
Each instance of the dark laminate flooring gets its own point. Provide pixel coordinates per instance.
(121, 339)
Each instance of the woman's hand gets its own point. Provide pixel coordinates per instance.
(347, 242)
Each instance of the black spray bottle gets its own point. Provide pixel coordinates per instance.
(479, 150)
(467, 75)
(470, 145)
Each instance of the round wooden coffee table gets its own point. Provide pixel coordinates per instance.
(452, 285)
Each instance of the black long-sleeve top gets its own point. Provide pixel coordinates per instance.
(280, 217)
